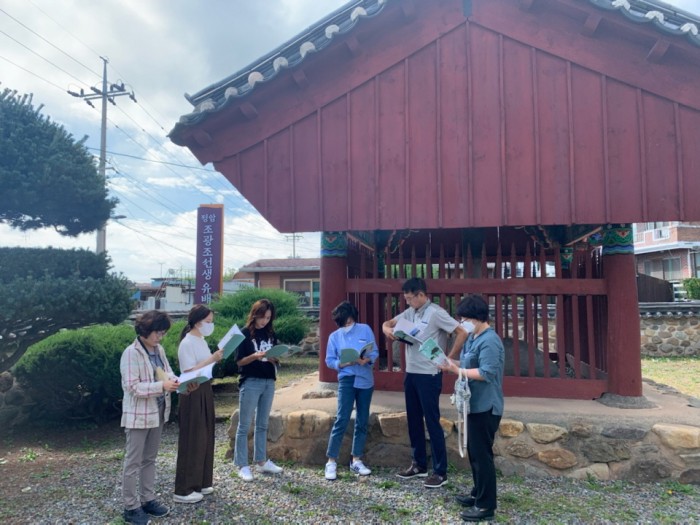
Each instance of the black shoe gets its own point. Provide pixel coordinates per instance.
(155, 508)
(414, 471)
(477, 514)
(466, 500)
(435, 481)
(136, 517)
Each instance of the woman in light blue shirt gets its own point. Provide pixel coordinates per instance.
(355, 385)
(481, 363)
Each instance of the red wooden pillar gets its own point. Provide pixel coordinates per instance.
(623, 339)
(333, 291)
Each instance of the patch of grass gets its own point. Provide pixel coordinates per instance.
(681, 373)
(29, 455)
(674, 488)
(387, 484)
(293, 489)
(294, 367)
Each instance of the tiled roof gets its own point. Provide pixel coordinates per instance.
(662, 16)
(215, 97)
(287, 265)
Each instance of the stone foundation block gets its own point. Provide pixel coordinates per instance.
(543, 433)
(678, 436)
(510, 428)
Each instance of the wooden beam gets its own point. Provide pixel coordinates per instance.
(591, 25)
(658, 51)
(248, 110)
(353, 46)
(533, 286)
(300, 79)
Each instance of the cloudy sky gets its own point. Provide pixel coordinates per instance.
(160, 49)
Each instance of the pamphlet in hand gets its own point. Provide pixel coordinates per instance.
(280, 350)
(406, 332)
(200, 376)
(350, 355)
(231, 340)
(432, 351)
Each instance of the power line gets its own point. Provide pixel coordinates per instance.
(32, 73)
(155, 161)
(50, 43)
(43, 58)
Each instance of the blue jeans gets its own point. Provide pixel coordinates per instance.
(422, 392)
(255, 399)
(348, 396)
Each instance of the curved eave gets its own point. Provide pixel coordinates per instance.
(216, 97)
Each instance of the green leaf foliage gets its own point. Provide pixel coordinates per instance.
(692, 287)
(48, 178)
(32, 309)
(237, 305)
(75, 374)
(40, 262)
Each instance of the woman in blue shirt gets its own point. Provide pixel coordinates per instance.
(481, 363)
(355, 385)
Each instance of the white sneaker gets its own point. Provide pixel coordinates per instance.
(245, 474)
(359, 468)
(331, 470)
(268, 467)
(206, 491)
(194, 497)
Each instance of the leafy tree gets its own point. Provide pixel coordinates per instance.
(44, 291)
(48, 178)
(692, 287)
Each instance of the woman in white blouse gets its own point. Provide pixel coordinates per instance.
(195, 451)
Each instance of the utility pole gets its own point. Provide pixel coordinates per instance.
(294, 237)
(107, 93)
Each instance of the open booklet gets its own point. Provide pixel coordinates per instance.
(231, 340)
(350, 355)
(407, 332)
(200, 376)
(432, 351)
(280, 350)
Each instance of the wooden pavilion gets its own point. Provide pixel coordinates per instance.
(501, 147)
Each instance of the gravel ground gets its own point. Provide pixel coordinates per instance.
(82, 486)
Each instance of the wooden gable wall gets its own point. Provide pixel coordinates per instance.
(525, 113)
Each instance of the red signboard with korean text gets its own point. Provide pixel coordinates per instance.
(210, 252)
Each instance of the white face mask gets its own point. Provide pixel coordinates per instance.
(206, 329)
(468, 326)
(348, 328)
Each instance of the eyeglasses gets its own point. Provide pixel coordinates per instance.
(161, 333)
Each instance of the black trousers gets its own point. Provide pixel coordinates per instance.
(481, 431)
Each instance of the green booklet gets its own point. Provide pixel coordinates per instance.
(280, 350)
(201, 375)
(350, 355)
(231, 340)
(432, 351)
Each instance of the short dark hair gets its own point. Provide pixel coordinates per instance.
(415, 285)
(473, 307)
(343, 312)
(152, 321)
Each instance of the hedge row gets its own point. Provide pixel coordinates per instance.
(75, 374)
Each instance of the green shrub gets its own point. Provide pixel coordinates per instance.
(18, 263)
(692, 287)
(75, 374)
(291, 330)
(237, 306)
